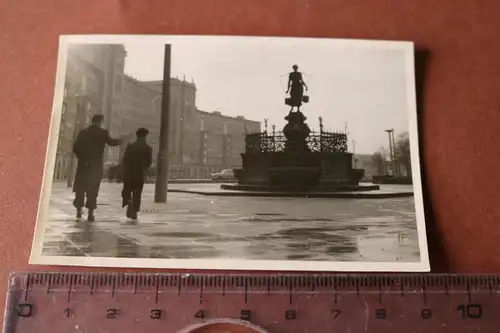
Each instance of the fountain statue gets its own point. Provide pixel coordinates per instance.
(296, 87)
(297, 159)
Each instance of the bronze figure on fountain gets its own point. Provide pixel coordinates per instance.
(296, 130)
(296, 87)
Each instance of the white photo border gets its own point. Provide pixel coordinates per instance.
(38, 258)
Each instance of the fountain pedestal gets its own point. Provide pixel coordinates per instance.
(295, 160)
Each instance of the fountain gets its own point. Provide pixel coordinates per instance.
(297, 160)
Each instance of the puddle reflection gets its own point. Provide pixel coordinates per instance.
(318, 230)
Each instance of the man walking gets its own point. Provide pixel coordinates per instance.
(89, 149)
(137, 158)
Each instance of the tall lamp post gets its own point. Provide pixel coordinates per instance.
(394, 152)
(354, 152)
(391, 150)
(161, 186)
(182, 123)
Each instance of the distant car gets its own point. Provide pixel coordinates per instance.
(224, 174)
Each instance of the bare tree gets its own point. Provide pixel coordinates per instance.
(403, 152)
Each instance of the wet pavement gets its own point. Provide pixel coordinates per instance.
(197, 226)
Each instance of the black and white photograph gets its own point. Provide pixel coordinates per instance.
(220, 152)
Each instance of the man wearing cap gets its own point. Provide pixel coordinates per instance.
(137, 159)
(89, 150)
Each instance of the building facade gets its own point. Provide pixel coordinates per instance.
(199, 142)
(212, 142)
(90, 72)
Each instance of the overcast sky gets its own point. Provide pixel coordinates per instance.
(363, 86)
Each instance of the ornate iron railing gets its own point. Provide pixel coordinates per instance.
(266, 142)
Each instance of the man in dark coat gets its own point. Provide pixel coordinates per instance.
(137, 158)
(89, 149)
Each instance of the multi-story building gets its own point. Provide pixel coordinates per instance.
(136, 106)
(213, 142)
(90, 73)
(199, 142)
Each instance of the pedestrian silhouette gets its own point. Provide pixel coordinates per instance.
(89, 150)
(137, 159)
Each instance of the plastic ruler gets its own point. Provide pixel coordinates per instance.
(123, 303)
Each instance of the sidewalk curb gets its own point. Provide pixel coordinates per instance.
(298, 194)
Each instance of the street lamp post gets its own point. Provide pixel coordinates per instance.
(354, 152)
(391, 150)
(161, 186)
(394, 150)
(180, 155)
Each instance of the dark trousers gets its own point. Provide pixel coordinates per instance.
(88, 190)
(132, 190)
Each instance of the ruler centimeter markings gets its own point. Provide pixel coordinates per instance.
(115, 302)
